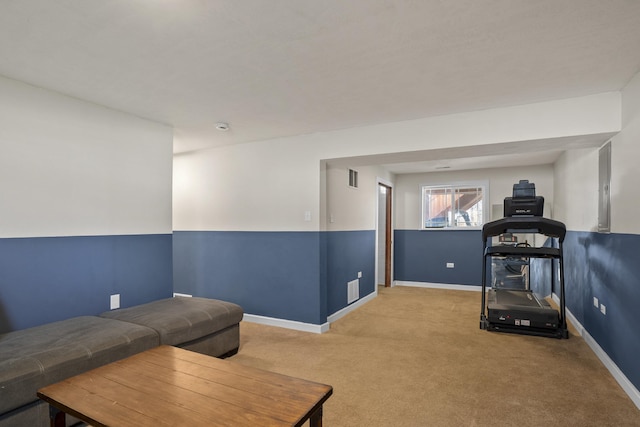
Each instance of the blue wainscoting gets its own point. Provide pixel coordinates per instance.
(606, 266)
(273, 274)
(422, 256)
(349, 252)
(298, 276)
(44, 279)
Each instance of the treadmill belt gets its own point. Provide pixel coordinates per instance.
(520, 311)
(515, 297)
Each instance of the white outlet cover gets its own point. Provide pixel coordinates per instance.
(603, 309)
(450, 265)
(596, 303)
(115, 301)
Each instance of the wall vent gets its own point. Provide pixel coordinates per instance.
(353, 178)
(353, 291)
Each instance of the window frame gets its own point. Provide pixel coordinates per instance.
(482, 184)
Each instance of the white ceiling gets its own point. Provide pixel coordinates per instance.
(289, 67)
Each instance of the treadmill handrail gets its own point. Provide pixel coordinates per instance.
(534, 252)
(535, 224)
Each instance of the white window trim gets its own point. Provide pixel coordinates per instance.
(484, 184)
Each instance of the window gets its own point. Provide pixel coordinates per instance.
(453, 206)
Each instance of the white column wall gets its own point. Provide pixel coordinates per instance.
(625, 172)
(269, 185)
(353, 208)
(576, 175)
(576, 187)
(69, 167)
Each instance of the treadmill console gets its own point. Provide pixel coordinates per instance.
(524, 201)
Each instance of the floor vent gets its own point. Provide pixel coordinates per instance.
(353, 291)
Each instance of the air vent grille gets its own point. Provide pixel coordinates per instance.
(353, 178)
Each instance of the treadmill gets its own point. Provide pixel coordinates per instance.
(520, 310)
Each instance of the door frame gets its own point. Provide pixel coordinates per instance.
(388, 231)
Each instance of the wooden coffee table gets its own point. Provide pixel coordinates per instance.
(171, 386)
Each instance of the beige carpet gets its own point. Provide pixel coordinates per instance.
(416, 357)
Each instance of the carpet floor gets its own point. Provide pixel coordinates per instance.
(416, 357)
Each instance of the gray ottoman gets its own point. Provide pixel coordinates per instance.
(203, 325)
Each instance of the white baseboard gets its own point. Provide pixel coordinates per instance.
(476, 288)
(617, 374)
(177, 294)
(289, 324)
(570, 317)
(308, 327)
(348, 309)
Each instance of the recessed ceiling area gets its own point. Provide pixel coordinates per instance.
(466, 163)
(522, 153)
(285, 68)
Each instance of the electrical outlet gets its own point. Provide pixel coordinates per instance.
(596, 304)
(450, 265)
(114, 301)
(359, 274)
(603, 309)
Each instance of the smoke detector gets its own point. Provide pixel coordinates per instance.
(221, 126)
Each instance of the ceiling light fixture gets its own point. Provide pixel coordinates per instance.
(222, 126)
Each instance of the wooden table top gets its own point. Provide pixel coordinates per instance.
(171, 386)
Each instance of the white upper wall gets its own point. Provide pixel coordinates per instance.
(625, 171)
(408, 199)
(266, 186)
(576, 175)
(350, 208)
(269, 185)
(72, 168)
(576, 187)
(587, 115)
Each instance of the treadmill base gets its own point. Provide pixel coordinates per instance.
(524, 330)
(521, 312)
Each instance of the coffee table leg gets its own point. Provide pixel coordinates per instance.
(316, 418)
(56, 417)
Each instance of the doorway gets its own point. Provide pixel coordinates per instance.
(384, 233)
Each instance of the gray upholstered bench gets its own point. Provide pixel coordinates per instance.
(35, 357)
(203, 325)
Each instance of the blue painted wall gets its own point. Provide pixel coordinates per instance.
(421, 256)
(349, 252)
(606, 266)
(44, 279)
(299, 276)
(274, 274)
